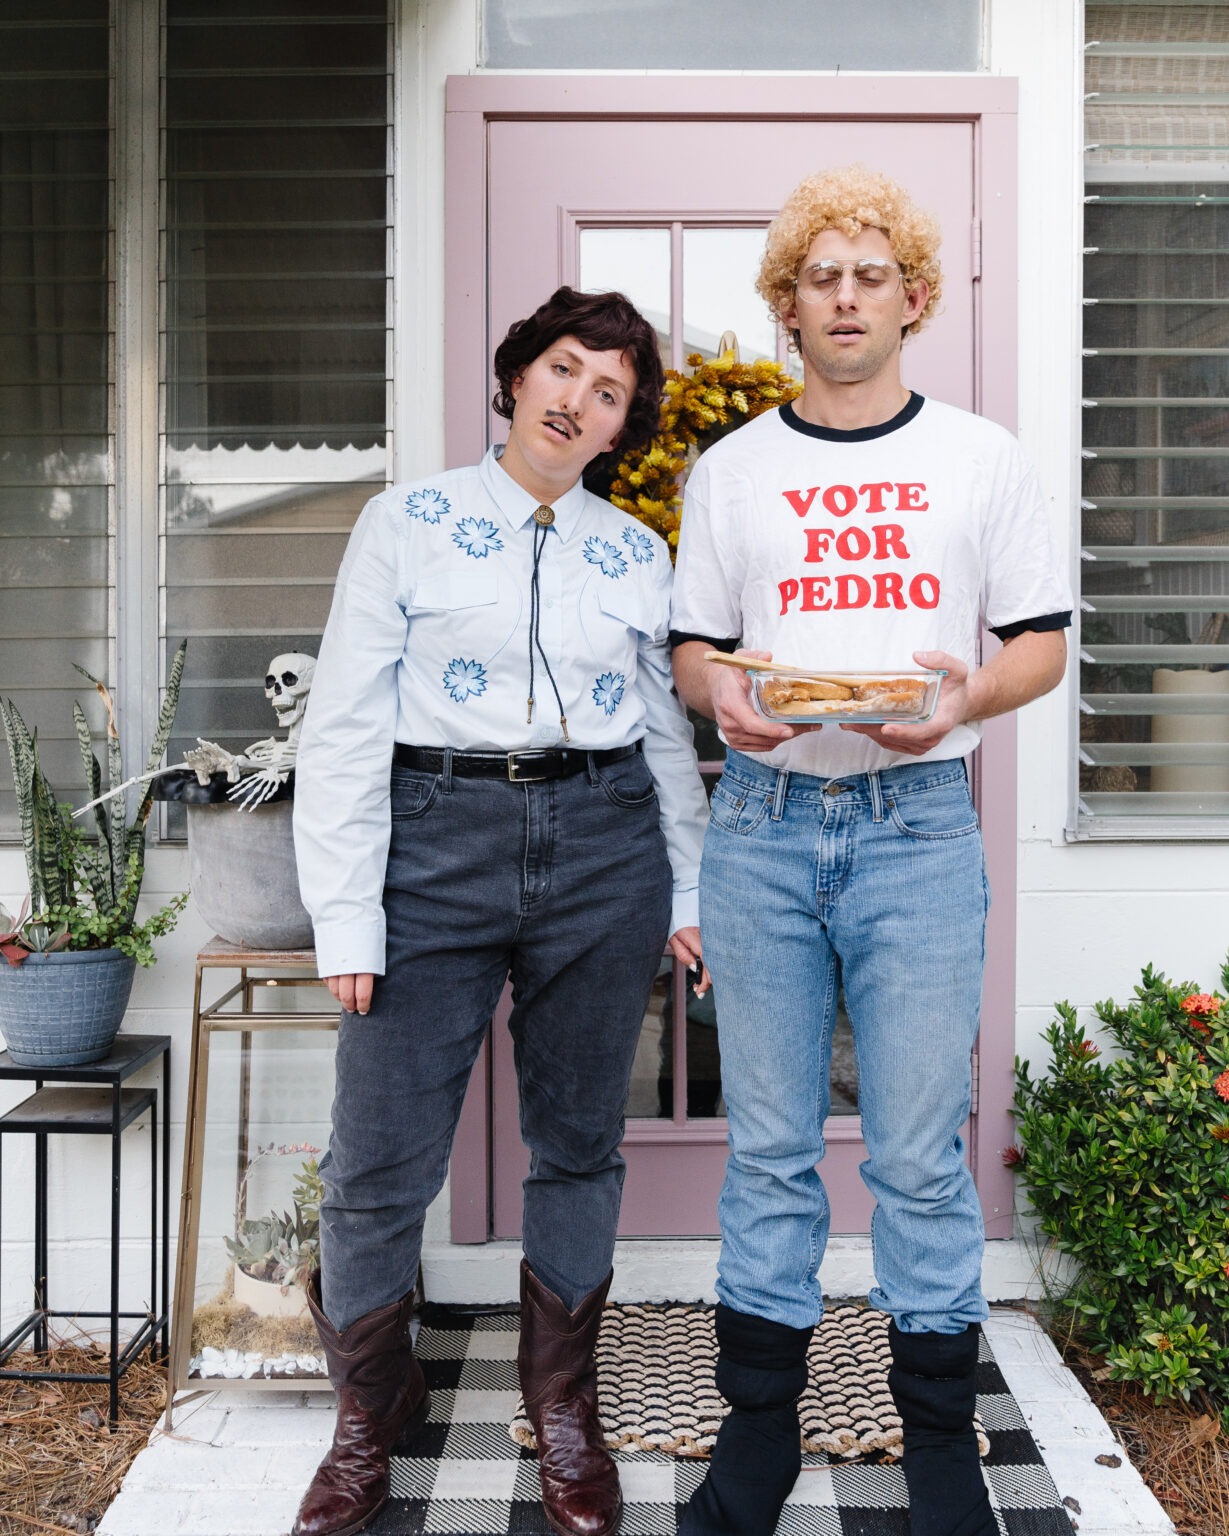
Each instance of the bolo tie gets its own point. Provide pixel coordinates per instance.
(543, 517)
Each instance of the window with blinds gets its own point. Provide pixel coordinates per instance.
(56, 387)
(275, 310)
(1154, 674)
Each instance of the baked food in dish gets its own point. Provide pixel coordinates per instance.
(874, 696)
(896, 695)
(815, 706)
(800, 690)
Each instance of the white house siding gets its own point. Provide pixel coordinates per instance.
(1089, 915)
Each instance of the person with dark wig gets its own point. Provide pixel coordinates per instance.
(495, 778)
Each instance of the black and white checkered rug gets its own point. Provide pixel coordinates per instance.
(463, 1475)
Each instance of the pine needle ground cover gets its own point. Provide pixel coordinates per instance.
(60, 1466)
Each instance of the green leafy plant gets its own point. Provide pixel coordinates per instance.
(84, 890)
(1125, 1158)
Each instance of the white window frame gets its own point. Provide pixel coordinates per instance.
(1081, 827)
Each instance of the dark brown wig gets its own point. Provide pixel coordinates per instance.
(603, 322)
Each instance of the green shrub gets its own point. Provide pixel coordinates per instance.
(1126, 1161)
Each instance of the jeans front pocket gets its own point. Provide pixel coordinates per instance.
(412, 793)
(943, 811)
(628, 782)
(737, 807)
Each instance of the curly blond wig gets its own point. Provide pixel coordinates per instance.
(850, 198)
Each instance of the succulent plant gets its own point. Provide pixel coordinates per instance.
(84, 891)
(281, 1247)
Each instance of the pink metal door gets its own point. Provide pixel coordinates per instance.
(672, 212)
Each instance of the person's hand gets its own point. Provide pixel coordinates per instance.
(954, 709)
(742, 728)
(352, 992)
(685, 944)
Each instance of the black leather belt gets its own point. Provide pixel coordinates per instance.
(520, 767)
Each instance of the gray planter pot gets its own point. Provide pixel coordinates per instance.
(244, 879)
(64, 1009)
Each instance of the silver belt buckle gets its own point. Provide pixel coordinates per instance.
(515, 777)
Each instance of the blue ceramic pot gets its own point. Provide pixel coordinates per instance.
(64, 1009)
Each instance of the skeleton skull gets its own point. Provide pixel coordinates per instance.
(287, 685)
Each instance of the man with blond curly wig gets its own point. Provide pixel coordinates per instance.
(862, 528)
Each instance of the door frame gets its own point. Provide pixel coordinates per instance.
(989, 105)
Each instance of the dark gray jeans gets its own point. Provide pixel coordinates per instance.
(564, 884)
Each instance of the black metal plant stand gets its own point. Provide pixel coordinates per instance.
(102, 1106)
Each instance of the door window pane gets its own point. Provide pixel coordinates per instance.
(635, 262)
(651, 1095)
(719, 271)
(275, 317)
(56, 428)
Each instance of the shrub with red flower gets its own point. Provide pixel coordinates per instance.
(1125, 1161)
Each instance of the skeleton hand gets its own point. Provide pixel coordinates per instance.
(263, 753)
(257, 788)
(207, 758)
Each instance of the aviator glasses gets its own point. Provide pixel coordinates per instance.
(876, 279)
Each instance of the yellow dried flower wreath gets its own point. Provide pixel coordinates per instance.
(696, 410)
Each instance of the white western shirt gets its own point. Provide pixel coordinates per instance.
(428, 643)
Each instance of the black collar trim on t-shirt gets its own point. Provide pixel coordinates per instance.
(902, 418)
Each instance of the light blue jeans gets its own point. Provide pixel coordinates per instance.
(878, 880)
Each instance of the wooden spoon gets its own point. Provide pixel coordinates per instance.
(750, 664)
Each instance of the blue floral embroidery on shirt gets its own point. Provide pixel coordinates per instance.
(464, 678)
(607, 556)
(477, 537)
(608, 694)
(640, 545)
(429, 504)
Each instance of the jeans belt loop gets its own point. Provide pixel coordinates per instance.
(590, 770)
(447, 773)
(876, 794)
(778, 799)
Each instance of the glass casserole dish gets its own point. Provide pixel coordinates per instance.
(794, 695)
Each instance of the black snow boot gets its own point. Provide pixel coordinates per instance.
(934, 1383)
(761, 1373)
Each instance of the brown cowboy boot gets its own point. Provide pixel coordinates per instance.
(381, 1394)
(580, 1482)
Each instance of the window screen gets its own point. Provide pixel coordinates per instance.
(275, 315)
(56, 430)
(1154, 674)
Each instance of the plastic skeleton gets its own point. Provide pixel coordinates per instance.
(258, 771)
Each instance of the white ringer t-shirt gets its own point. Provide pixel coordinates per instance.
(854, 549)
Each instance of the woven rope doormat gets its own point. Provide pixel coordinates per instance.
(656, 1390)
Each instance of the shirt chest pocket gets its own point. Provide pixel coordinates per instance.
(450, 591)
(623, 615)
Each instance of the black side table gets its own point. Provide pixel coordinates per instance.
(101, 1107)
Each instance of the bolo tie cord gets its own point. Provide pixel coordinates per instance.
(540, 528)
